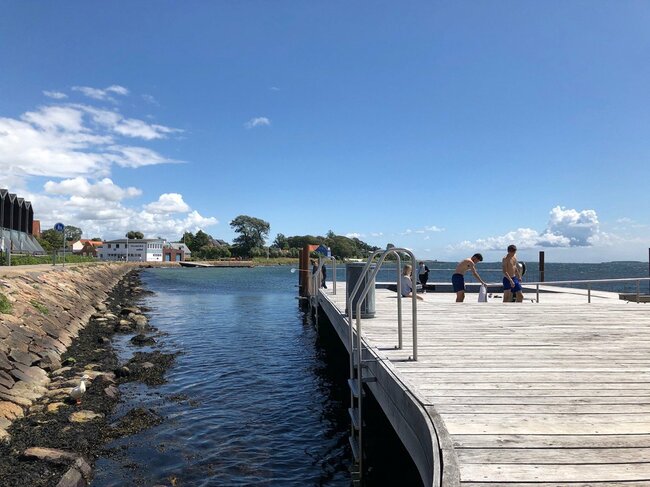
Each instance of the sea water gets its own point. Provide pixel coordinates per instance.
(258, 395)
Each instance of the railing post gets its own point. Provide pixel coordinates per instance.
(638, 291)
(537, 286)
(589, 293)
(399, 302)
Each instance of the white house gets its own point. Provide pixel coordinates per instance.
(139, 250)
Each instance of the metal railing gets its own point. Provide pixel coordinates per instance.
(316, 277)
(589, 282)
(357, 378)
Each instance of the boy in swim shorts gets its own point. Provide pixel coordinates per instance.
(512, 277)
(458, 279)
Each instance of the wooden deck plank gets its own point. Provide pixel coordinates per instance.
(550, 393)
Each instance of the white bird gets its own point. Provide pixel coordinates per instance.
(79, 391)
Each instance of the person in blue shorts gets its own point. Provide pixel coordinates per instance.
(512, 276)
(458, 279)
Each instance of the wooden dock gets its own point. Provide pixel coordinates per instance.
(530, 394)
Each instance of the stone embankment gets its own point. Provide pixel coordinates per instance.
(41, 312)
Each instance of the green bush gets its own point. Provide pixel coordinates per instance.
(46, 259)
(40, 306)
(5, 305)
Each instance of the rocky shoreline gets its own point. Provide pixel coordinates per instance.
(53, 441)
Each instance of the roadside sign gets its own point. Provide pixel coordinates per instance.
(59, 227)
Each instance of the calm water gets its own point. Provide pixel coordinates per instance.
(258, 395)
(267, 390)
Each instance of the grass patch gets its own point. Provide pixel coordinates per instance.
(40, 306)
(5, 305)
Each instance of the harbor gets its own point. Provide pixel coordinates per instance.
(551, 391)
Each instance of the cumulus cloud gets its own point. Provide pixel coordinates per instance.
(57, 95)
(76, 146)
(257, 122)
(168, 203)
(67, 141)
(102, 94)
(104, 189)
(354, 235)
(565, 228)
(422, 231)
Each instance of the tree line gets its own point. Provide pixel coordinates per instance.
(252, 234)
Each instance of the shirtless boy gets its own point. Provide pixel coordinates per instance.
(458, 279)
(512, 276)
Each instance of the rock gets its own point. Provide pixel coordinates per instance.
(6, 380)
(125, 323)
(61, 371)
(72, 478)
(24, 358)
(10, 411)
(49, 455)
(69, 361)
(4, 436)
(84, 416)
(128, 310)
(147, 365)
(50, 362)
(63, 392)
(122, 372)
(112, 392)
(142, 340)
(140, 320)
(103, 340)
(101, 307)
(82, 465)
(110, 316)
(54, 407)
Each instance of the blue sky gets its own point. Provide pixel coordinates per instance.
(446, 127)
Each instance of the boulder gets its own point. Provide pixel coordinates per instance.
(54, 407)
(84, 416)
(142, 340)
(6, 380)
(72, 478)
(49, 455)
(4, 436)
(10, 411)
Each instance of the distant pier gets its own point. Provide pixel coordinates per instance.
(530, 394)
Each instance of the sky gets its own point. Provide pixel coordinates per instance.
(448, 127)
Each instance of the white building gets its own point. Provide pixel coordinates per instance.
(139, 250)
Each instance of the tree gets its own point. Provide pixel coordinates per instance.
(72, 233)
(133, 235)
(97, 239)
(252, 233)
(281, 242)
(50, 240)
(200, 240)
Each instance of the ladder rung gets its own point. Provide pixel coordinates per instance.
(354, 416)
(354, 387)
(355, 447)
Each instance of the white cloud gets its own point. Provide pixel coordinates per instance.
(434, 228)
(377, 234)
(565, 228)
(257, 122)
(354, 235)
(150, 99)
(76, 146)
(104, 189)
(168, 203)
(66, 141)
(101, 94)
(57, 95)
(421, 231)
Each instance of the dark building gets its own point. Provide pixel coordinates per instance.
(17, 224)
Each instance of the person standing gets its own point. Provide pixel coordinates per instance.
(423, 275)
(458, 279)
(512, 276)
(324, 273)
(407, 285)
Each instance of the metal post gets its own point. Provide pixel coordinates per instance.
(638, 292)
(589, 293)
(537, 286)
(399, 302)
(541, 266)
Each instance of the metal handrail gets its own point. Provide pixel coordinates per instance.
(362, 296)
(589, 282)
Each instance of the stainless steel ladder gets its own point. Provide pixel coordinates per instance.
(359, 372)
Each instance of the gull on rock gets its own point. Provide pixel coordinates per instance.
(79, 391)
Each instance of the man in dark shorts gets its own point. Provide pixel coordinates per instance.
(512, 276)
(458, 279)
